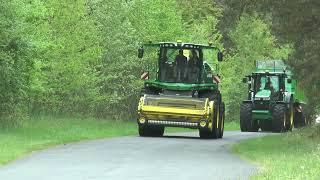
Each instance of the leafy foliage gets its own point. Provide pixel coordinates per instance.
(79, 57)
(252, 41)
(15, 66)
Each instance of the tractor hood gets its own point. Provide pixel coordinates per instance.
(264, 94)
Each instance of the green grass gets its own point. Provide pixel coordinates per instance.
(293, 155)
(41, 133)
(232, 126)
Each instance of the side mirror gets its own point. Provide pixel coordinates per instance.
(289, 81)
(144, 76)
(140, 52)
(220, 56)
(245, 80)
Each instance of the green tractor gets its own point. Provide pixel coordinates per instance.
(275, 102)
(184, 92)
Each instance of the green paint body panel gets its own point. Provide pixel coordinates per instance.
(261, 115)
(180, 86)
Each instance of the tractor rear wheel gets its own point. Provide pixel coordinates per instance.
(299, 120)
(247, 124)
(290, 118)
(221, 120)
(279, 118)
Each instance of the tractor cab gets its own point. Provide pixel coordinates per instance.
(184, 62)
(266, 86)
(180, 65)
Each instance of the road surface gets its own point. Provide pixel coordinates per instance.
(181, 156)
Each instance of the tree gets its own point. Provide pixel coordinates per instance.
(15, 66)
(253, 40)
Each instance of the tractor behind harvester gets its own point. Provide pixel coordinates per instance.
(275, 102)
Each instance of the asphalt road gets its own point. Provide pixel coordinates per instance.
(176, 157)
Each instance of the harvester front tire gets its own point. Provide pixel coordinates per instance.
(148, 131)
(247, 124)
(215, 132)
(144, 131)
(204, 134)
(279, 118)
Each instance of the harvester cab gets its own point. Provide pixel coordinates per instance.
(274, 101)
(184, 92)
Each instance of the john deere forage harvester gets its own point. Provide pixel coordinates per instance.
(184, 92)
(275, 101)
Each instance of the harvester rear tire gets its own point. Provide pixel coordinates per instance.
(246, 122)
(279, 118)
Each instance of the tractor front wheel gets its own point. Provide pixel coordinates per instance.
(279, 118)
(247, 124)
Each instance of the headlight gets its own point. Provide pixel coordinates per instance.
(203, 123)
(142, 120)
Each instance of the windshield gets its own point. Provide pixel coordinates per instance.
(266, 83)
(180, 65)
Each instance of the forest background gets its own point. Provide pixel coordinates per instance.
(79, 58)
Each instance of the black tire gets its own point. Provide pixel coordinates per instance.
(290, 118)
(299, 120)
(265, 125)
(151, 131)
(214, 133)
(221, 120)
(246, 122)
(279, 118)
(144, 131)
(204, 134)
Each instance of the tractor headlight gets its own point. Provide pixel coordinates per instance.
(142, 120)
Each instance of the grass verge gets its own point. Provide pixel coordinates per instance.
(40, 133)
(293, 155)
